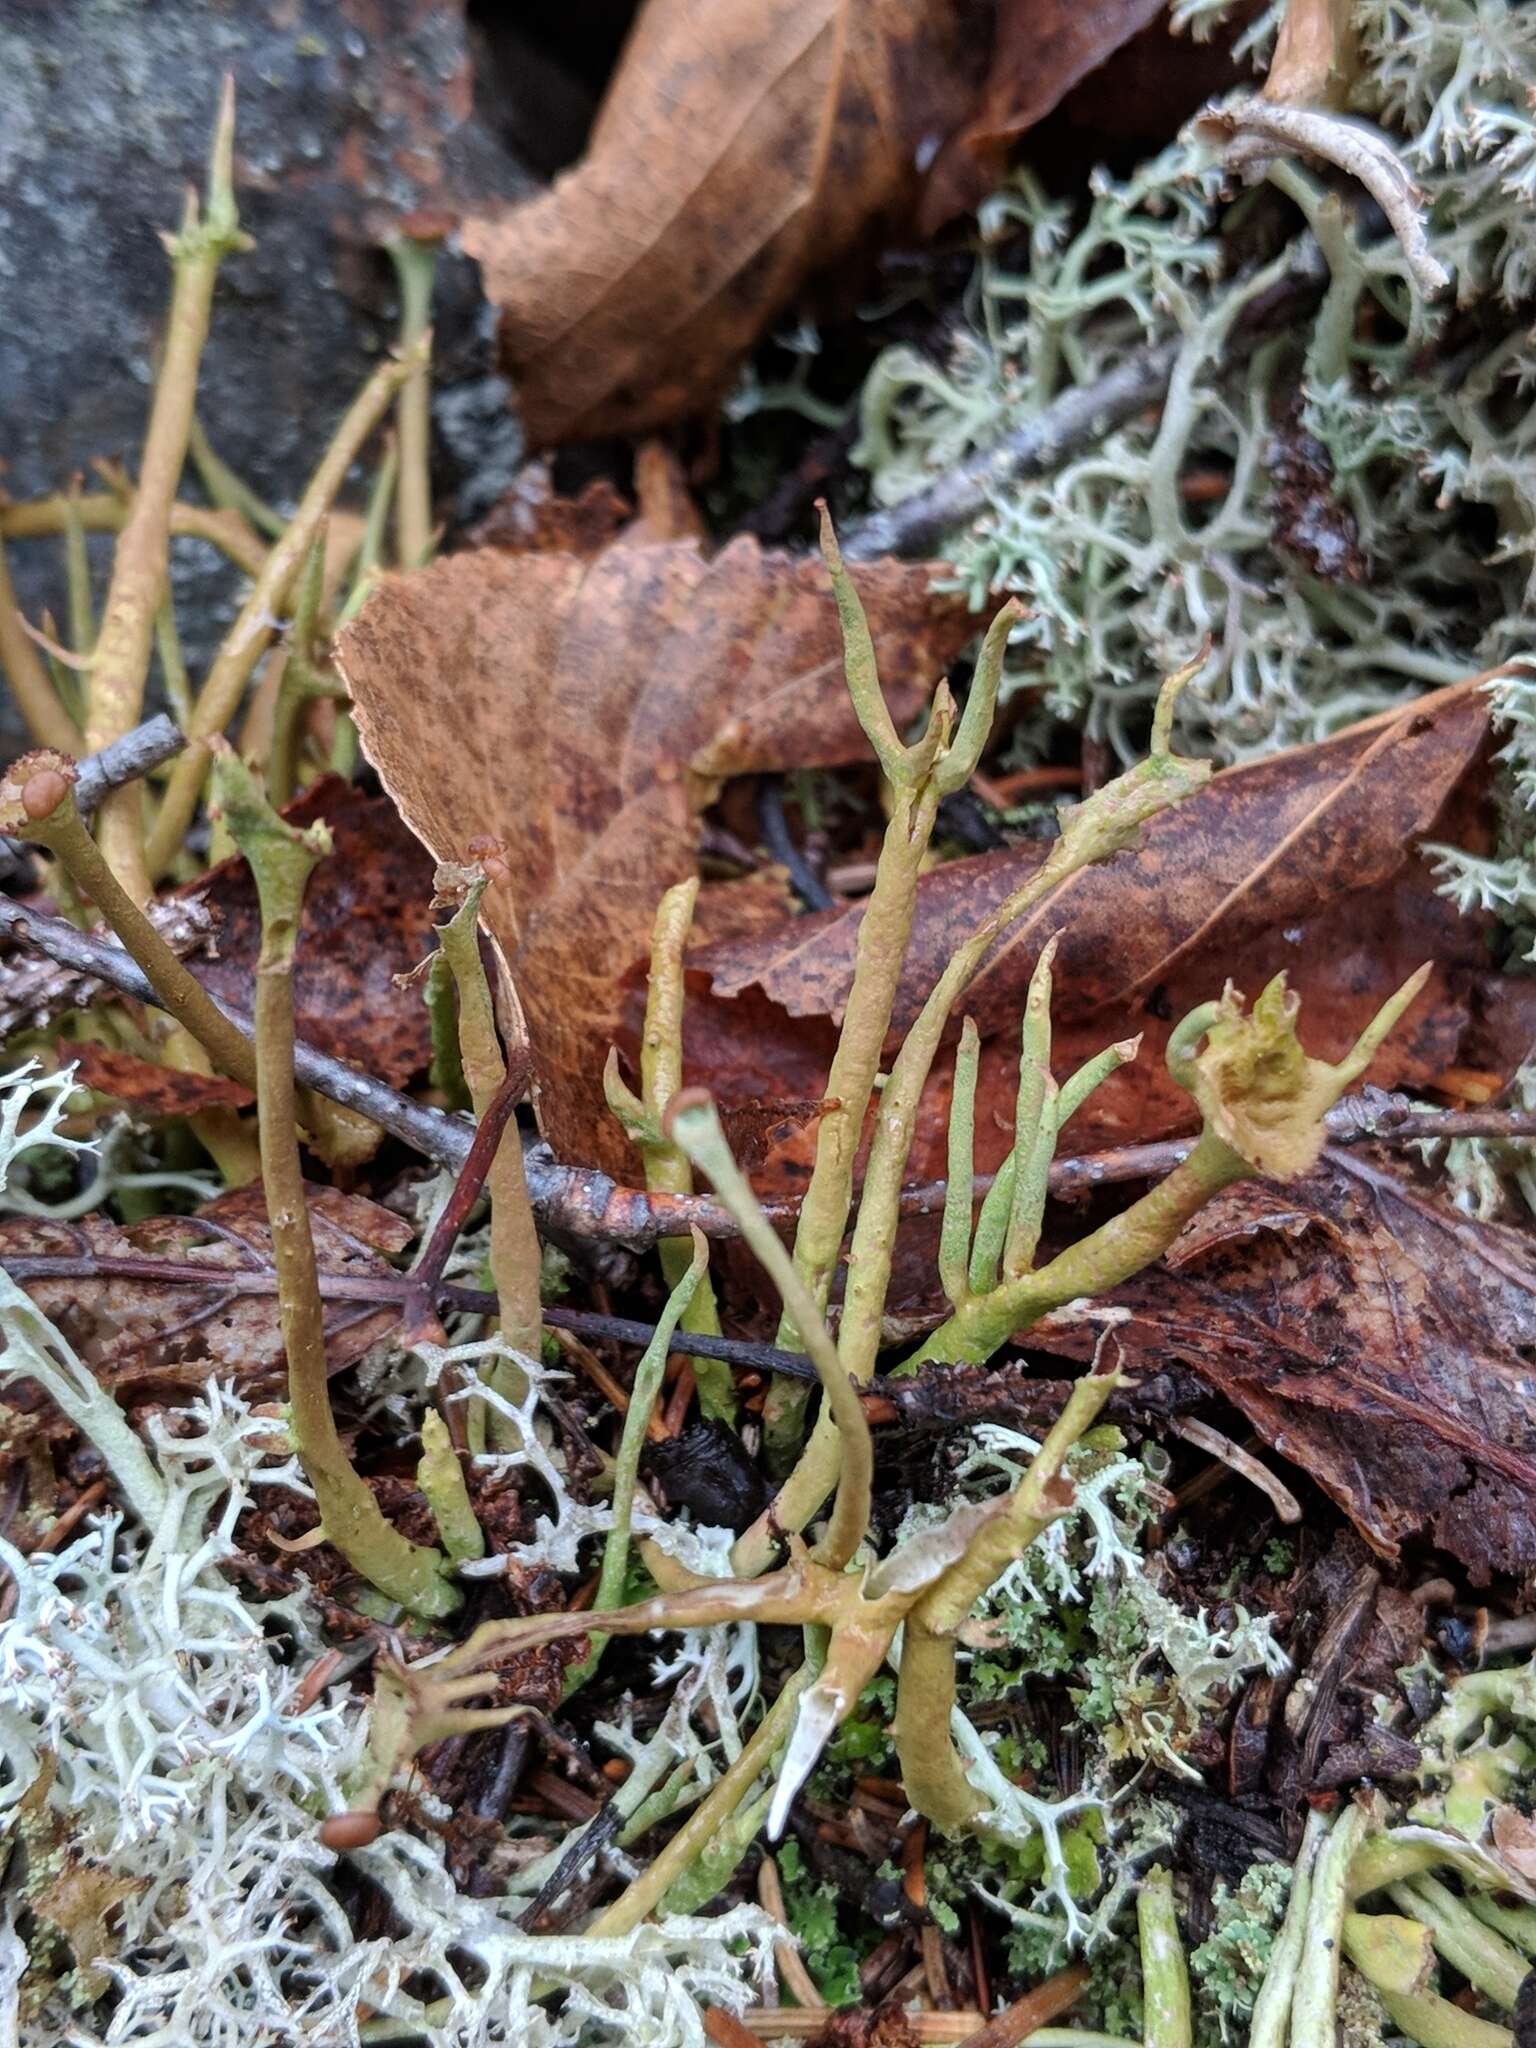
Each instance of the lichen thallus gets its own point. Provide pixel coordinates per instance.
(1262, 1100)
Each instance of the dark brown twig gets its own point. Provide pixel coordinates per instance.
(418, 1313)
(1037, 2008)
(936, 1398)
(594, 1839)
(383, 1290)
(784, 848)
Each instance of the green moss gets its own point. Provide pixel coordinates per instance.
(812, 1909)
(1228, 1967)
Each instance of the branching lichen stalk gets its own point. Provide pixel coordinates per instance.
(281, 860)
(918, 778)
(515, 1254)
(1092, 832)
(250, 636)
(667, 1172)
(931, 1769)
(139, 565)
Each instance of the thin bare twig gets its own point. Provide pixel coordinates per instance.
(156, 740)
(936, 1398)
(1074, 420)
(1232, 1455)
(1257, 130)
(1037, 2008)
(793, 1974)
(436, 1136)
(581, 1206)
(45, 810)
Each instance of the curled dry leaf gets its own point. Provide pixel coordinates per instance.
(582, 713)
(133, 1329)
(1260, 846)
(739, 152)
(1377, 1340)
(1042, 51)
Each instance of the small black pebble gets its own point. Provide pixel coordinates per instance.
(706, 1471)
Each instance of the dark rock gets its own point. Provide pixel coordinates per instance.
(350, 114)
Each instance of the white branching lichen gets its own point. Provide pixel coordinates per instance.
(1080, 1606)
(1348, 516)
(163, 1776)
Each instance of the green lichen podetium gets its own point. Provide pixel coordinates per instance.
(281, 858)
(1170, 528)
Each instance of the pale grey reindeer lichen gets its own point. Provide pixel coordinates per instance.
(186, 1771)
(1122, 572)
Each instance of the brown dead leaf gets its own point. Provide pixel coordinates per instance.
(154, 1090)
(132, 1329)
(533, 516)
(743, 151)
(1260, 846)
(1379, 1341)
(737, 151)
(1041, 52)
(766, 1137)
(1301, 862)
(881, 2026)
(367, 919)
(582, 713)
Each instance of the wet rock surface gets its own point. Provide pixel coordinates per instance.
(350, 115)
